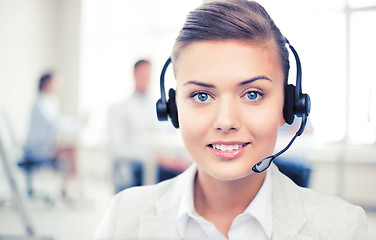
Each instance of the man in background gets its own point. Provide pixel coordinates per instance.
(132, 125)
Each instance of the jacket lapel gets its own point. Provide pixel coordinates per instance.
(287, 209)
(161, 223)
(158, 227)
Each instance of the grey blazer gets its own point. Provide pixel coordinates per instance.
(150, 212)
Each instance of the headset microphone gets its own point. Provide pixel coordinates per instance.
(296, 104)
(264, 164)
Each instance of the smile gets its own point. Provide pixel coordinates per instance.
(226, 150)
(223, 147)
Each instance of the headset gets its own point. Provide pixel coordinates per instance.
(296, 104)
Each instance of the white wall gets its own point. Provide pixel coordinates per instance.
(37, 35)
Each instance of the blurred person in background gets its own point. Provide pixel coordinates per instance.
(132, 123)
(42, 146)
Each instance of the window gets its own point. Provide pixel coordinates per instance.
(362, 75)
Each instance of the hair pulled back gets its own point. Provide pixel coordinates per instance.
(231, 20)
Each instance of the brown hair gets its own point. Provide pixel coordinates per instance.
(231, 19)
(44, 79)
(139, 62)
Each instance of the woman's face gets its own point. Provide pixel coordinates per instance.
(230, 104)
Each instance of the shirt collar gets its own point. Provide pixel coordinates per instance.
(186, 206)
(260, 207)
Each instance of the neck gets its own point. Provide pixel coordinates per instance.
(47, 93)
(220, 201)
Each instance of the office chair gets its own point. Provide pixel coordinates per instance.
(29, 166)
(296, 168)
(15, 152)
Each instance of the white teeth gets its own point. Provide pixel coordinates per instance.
(226, 147)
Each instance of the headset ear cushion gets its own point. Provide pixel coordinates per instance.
(173, 110)
(161, 108)
(288, 108)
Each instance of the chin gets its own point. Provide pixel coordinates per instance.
(228, 175)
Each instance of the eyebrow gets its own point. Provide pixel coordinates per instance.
(207, 85)
(254, 79)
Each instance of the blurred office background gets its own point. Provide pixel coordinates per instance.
(94, 44)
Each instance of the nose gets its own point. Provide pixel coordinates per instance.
(228, 116)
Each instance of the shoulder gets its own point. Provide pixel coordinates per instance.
(324, 215)
(119, 105)
(311, 200)
(125, 208)
(142, 199)
(331, 214)
(129, 208)
(330, 206)
(119, 111)
(136, 201)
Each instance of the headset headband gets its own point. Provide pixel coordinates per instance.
(162, 111)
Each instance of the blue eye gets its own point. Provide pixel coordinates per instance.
(201, 97)
(253, 95)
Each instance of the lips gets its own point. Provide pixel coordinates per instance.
(229, 150)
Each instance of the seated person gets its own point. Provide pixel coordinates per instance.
(46, 123)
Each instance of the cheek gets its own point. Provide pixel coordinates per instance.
(265, 122)
(264, 129)
(193, 123)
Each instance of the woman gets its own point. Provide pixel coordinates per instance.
(231, 67)
(46, 124)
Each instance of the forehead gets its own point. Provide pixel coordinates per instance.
(227, 59)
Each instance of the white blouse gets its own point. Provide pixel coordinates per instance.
(254, 223)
